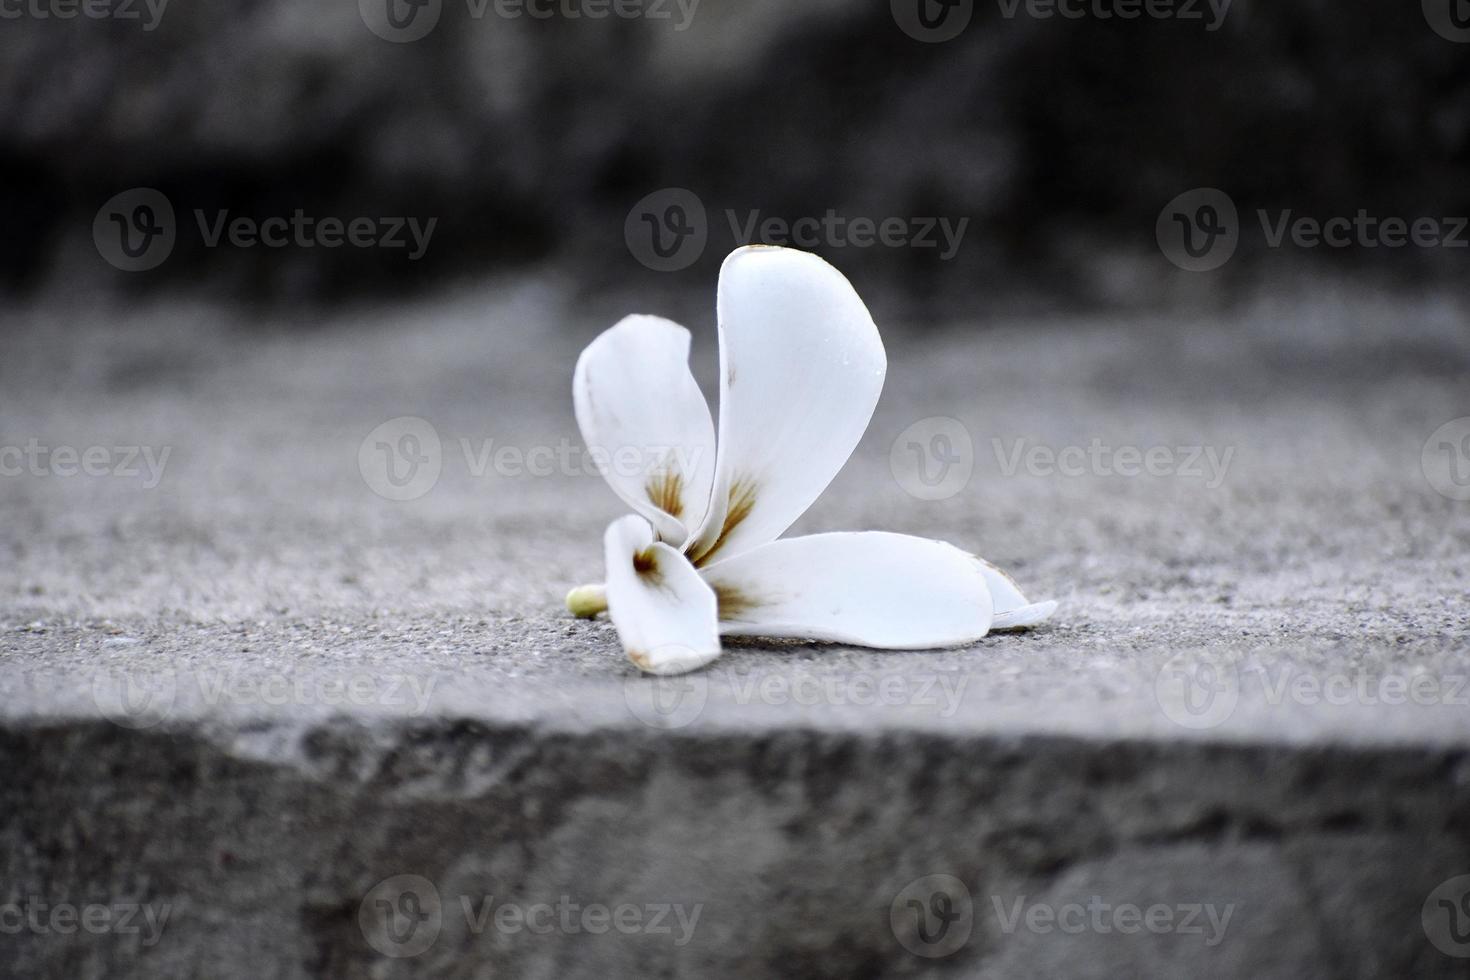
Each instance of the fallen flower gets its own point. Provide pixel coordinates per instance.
(801, 369)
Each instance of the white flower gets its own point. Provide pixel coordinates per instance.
(801, 368)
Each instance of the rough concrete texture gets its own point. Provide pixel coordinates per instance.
(331, 689)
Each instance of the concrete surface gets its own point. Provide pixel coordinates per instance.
(244, 700)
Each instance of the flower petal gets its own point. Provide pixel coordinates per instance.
(871, 589)
(801, 370)
(663, 611)
(642, 415)
(1013, 611)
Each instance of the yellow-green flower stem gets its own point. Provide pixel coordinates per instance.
(586, 601)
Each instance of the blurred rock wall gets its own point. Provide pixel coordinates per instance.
(1055, 140)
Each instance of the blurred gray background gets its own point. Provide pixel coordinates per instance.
(530, 139)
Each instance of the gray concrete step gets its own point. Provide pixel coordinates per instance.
(258, 719)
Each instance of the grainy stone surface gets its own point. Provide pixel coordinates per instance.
(331, 688)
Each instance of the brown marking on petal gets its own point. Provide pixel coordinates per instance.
(645, 562)
(640, 659)
(741, 500)
(733, 601)
(666, 490)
